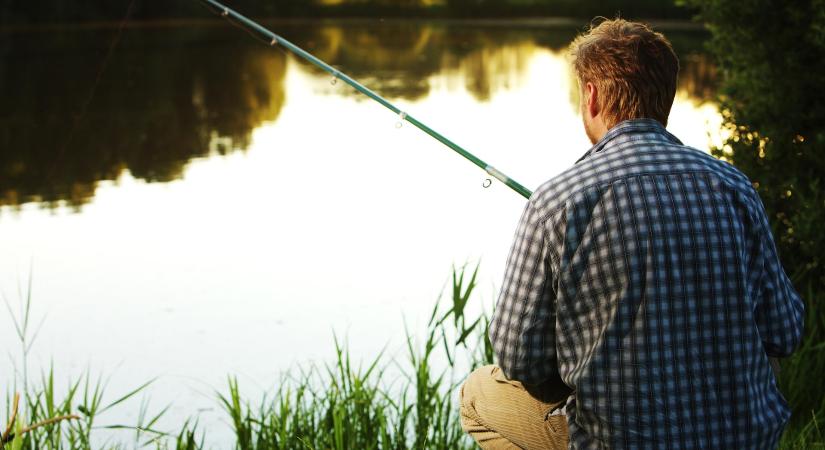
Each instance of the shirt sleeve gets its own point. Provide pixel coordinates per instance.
(522, 330)
(779, 309)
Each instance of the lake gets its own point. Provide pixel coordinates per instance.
(191, 203)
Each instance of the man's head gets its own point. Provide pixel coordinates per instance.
(625, 71)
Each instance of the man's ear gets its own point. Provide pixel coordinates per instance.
(592, 99)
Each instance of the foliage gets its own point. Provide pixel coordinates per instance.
(773, 69)
(771, 56)
(67, 419)
(369, 407)
(384, 405)
(47, 416)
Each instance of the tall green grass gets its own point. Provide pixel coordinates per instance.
(380, 403)
(802, 378)
(47, 419)
(44, 416)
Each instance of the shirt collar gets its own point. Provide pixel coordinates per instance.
(630, 126)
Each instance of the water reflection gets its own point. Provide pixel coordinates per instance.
(156, 106)
(169, 95)
(330, 218)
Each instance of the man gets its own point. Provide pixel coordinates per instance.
(643, 295)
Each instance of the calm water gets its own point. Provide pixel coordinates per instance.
(198, 204)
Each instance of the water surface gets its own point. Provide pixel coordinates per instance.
(194, 203)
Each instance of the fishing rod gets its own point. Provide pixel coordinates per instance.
(275, 39)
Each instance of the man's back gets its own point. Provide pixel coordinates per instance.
(647, 277)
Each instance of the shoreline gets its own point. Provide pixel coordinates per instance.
(523, 22)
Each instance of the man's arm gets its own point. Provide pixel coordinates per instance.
(779, 309)
(523, 326)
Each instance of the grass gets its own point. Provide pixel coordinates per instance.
(47, 417)
(801, 379)
(361, 406)
(69, 423)
(381, 403)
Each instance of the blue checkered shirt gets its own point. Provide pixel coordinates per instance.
(646, 276)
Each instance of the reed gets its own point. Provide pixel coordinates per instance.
(378, 404)
(381, 403)
(800, 378)
(44, 416)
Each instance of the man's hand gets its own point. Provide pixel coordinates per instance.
(775, 366)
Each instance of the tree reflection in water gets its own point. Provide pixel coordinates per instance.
(168, 95)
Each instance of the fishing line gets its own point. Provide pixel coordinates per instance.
(268, 37)
(88, 100)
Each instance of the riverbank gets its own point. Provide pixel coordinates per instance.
(49, 12)
(512, 22)
(373, 402)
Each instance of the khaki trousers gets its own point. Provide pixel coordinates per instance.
(504, 414)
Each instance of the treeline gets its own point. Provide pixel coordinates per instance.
(60, 12)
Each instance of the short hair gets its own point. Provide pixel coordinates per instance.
(633, 67)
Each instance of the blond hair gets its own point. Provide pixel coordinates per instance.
(633, 67)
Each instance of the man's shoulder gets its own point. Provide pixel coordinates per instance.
(634, 159)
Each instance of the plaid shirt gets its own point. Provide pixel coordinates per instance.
(646, 276)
